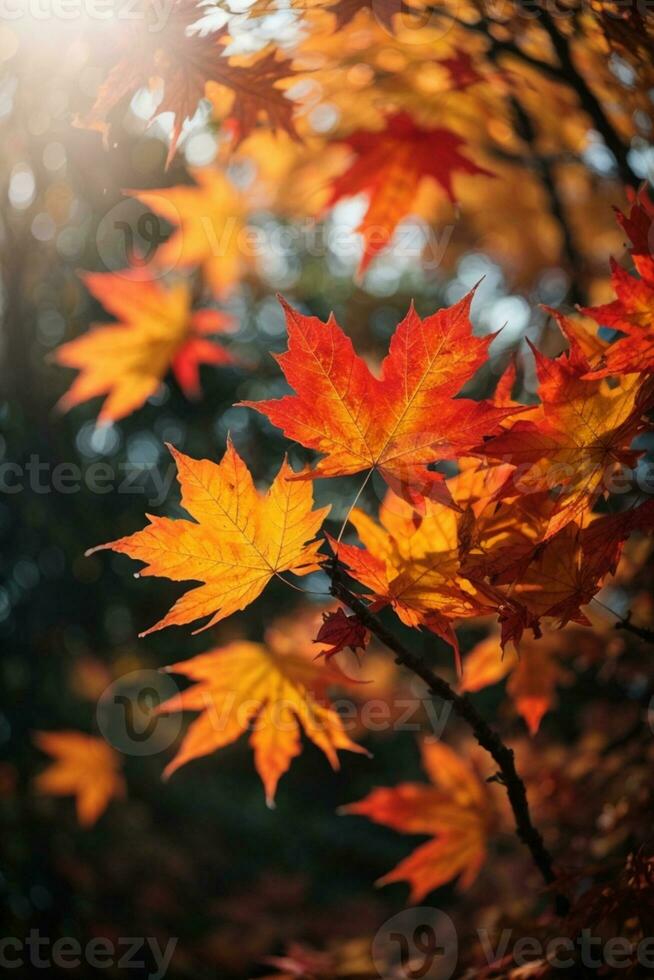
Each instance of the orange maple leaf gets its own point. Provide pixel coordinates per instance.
(551, 578)
(413, 564)
(455, 811)
(85, 767)
(239, 538)
(533, 675)
(555, 579)
(156, 331)
(264, 689)
(208, 218)
(389, 166)
(397, 423)
(575, 439)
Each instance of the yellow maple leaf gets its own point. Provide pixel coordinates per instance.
(209, 218)
(84, 767)
(264, 689)
(239, 538)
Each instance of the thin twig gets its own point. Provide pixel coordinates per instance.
(483, 733)
(624, 623)
(641, 631)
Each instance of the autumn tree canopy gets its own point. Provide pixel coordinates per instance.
(436, 218)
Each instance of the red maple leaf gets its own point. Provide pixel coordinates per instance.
(340, 631)
(389, 166)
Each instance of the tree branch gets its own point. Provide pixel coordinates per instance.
(566, 72)
(546, 172)
(483, 733)
(587, 98)
(640, 631)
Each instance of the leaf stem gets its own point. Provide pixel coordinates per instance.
(353, 505)
(487, 737)
(297, 588)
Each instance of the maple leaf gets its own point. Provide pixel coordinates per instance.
(582, 430)
(413, 565)
(255, 93)
(184, 62)
(209, 218)
(551, 578)
(156, 331)
(275, 694)
(604, 537)
(533, 675)
(84, 767)
(454, 810)
(389, 166)
(503, 394)
(632, 312)
(397, 423)
(239, 538)
(556, 578)
(339, 631)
